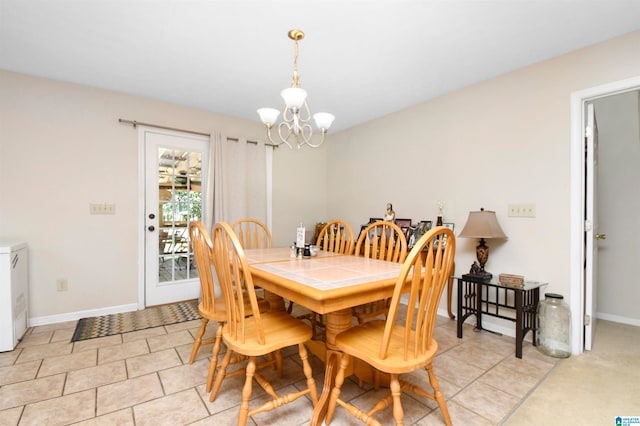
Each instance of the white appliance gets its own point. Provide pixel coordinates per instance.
(14, 298)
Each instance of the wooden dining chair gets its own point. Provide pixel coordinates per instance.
(383, 241)
(252, 233)
(211, 308)
(336, 237)
(405, 344)
(252, 333)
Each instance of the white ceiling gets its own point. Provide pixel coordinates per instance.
(359, 60)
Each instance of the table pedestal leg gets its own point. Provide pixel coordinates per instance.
(336, 322)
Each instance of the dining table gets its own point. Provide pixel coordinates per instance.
(329, 284)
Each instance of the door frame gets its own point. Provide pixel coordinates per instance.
(577, 181)
(142, 181)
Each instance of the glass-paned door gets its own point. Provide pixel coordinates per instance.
(175, 176)
(180, 202)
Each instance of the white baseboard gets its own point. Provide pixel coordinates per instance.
(74, 316)
(496, 325)
(617, 318)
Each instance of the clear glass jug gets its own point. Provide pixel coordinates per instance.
(553, 333)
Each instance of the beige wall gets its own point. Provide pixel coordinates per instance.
(62, 147)
(505, 140)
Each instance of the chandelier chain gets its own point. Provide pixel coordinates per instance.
(296, 78)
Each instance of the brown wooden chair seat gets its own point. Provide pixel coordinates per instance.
(252, 333)
(399, 346)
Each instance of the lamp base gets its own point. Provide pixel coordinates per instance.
(477, 272)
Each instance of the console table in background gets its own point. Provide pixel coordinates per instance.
(477, 297)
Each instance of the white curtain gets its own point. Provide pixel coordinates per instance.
(239, 180)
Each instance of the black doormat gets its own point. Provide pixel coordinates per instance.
(108, 325)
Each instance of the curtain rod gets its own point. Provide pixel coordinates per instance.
(139, 123)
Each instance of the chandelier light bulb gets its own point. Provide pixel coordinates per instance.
(294, 97)
(268, 116)
(323, 120)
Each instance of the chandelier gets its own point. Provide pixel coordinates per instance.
(296, 114)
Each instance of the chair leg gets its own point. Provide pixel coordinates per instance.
(198, 342)
(306, 367)
(221, 375)
(438, 394)
(214, 358)
(398, 413)
(246, 391)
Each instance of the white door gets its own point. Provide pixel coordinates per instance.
(591, 234)
(175, 178)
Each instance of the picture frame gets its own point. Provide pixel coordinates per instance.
(362, 228)
(428, 224)
(406, 231)
(403, 223)
(409, 236)
(451, 226)
(418, 231)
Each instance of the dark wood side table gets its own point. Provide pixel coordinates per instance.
(477, 297)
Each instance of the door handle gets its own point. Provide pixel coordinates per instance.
(151, 228)
(601, 236)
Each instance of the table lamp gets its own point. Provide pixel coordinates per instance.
(481, 224)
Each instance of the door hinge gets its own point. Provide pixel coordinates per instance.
(588, 226)
(587, 320)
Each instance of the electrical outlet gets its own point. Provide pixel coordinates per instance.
(62, 284)
(522, 210)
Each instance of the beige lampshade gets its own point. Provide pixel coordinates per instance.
(482, 224)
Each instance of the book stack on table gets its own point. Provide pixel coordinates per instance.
(512, 280)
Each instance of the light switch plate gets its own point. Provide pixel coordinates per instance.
(102, 208)
(522, 210)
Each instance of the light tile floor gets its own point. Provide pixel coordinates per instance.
(144, 378)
